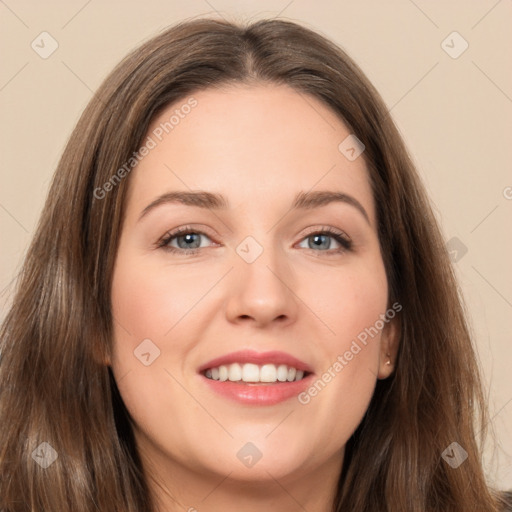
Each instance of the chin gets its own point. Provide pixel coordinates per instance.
(254, 461)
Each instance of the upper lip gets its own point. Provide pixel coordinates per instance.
(251, 356)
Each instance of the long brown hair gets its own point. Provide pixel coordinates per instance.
(55, 385)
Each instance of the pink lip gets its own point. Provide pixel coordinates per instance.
(251, 356)
(258, 393)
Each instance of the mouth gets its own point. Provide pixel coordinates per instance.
(250, 373)
(254, 378)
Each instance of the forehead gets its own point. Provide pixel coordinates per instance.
(254, 144)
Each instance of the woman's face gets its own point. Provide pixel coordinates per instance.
(250, 289)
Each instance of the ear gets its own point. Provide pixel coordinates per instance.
(389, 343)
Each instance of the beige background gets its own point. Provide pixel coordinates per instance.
(455, 115)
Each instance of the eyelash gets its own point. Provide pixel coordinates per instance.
(345, 242)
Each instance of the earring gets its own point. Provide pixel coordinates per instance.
(388, 362)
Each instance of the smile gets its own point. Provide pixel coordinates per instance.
(254, 378)
(250, 372)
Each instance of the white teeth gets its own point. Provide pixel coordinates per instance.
(223, 373)
(250, 372)
(235, 372)
(268, 373)
(282, 373)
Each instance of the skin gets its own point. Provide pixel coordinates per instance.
(259, 146)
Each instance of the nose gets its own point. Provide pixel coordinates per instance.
(263, 291)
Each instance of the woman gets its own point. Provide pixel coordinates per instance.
(141, 373)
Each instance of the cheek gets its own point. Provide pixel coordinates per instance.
(155, 312)
(139, 306)
(146, 306)
(347, 303)
(148, 301)
(351, 306)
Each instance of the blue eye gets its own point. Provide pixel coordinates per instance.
(322, 240)
(188, 241)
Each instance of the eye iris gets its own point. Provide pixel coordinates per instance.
(189, 237)
(322, 243)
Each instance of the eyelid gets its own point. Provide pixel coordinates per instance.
(327, 229)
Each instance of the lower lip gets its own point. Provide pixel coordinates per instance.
(257, 393)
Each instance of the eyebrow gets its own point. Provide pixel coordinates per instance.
(211, 201)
